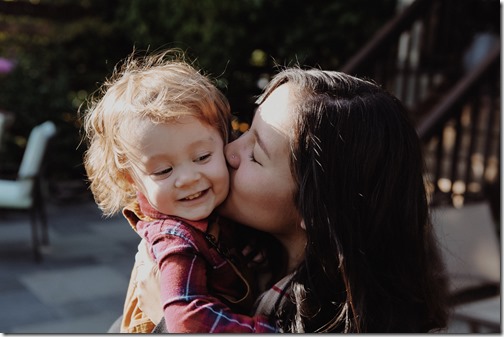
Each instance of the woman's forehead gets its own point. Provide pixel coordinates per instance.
(276, 112)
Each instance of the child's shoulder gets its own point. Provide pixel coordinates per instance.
(194, 232)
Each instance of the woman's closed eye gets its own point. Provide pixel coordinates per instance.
(253, 159)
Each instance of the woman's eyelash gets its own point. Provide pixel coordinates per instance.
(252, 158)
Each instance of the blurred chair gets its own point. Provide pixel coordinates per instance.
(25, 193)
(483, 316)
(471, 251)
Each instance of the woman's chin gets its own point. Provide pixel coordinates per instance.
(222, 209)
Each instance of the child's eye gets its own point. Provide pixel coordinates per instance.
(163, 172)
(203, 158)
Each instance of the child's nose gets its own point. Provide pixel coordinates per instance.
(186, 178)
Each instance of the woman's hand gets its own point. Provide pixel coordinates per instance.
(253, 257)
(148, 284)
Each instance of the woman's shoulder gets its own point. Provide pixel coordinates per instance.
(274, 296)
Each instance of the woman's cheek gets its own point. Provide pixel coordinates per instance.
(260, 202)
(244, 196)
(246, 187)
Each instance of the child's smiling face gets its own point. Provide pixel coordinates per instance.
(179, 166)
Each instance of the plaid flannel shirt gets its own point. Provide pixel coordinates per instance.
(200, 289)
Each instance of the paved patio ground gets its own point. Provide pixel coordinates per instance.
(81, 284)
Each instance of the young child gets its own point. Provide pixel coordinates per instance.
(156, 134)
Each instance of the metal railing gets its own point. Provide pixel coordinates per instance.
(454, 100)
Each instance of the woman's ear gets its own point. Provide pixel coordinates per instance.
(303, 226)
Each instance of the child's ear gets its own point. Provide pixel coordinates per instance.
(128, 178)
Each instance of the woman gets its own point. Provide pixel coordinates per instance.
(332, 168)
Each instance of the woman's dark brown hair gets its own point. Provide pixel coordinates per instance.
(372, 263)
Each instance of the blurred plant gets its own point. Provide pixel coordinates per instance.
(64, 49)
(241, 42)
(57, 65)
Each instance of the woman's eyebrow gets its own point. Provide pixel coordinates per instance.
(261, 144)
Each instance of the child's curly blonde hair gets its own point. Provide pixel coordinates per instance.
(160, 87)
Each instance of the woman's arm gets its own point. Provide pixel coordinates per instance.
(148, 284)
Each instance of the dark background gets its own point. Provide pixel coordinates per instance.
(64, 49)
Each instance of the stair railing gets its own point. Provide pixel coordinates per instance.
(461, 136)
(396, 55)
(457, 113)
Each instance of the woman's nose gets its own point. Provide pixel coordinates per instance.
(232, 156)
(186, 177)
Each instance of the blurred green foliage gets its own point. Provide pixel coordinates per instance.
(60, 60)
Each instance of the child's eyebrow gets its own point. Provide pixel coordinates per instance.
(262, 145)
(203, 141)
(194, 145)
